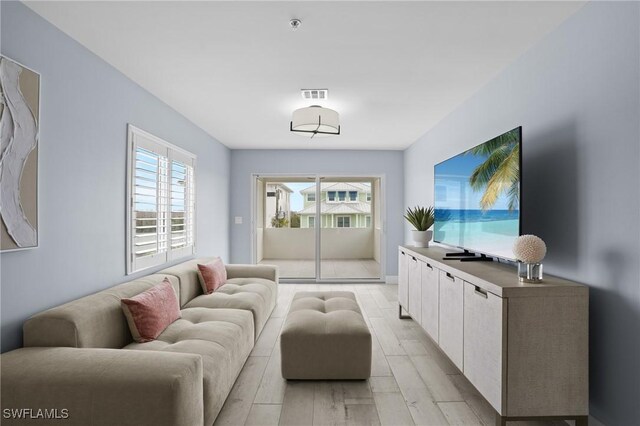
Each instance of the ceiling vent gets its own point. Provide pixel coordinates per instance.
(315, 94)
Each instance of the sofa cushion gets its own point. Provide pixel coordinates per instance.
(94, 321)
(212, 275)
(239, 270)
(235, 285)
(256, 295)
(187, 274)
(224, 339)
(151, 311)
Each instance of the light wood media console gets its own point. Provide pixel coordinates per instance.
(523, 346)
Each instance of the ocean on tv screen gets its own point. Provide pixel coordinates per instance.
(491, 232)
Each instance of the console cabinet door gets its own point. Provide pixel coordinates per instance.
(483, 343)
(451, 317)
(403, 279)
(415, 287)
(430, 299)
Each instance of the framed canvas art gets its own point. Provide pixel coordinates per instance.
(19, 126)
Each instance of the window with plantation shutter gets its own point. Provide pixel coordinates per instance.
(161, 200)
(181, 207)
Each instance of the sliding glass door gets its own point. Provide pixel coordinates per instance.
(319, 228)
(283, 236)
(348, 244)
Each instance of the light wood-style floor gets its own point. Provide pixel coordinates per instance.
(329, 268)
(412, 381)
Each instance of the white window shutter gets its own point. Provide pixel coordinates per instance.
(149, 208)
(161, 216)
(182, 206)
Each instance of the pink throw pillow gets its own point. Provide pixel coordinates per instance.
(212, 275)
(151, 311)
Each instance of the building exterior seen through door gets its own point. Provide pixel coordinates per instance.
(279, 238)
(319, 228)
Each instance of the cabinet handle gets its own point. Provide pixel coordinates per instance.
(414, 259)
(429, 266)
(402, 252)
(451, 277)
(480, 292)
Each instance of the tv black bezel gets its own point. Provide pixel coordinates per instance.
(511, 259)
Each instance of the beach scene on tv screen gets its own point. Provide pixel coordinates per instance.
(477, 197)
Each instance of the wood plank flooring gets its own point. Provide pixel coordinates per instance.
(412, 382)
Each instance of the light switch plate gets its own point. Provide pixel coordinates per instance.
(238, 220)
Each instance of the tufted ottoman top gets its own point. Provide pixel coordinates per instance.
(329, 312)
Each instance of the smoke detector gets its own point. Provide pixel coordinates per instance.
(315, 94)
(295, 24)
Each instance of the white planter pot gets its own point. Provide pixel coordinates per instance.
(421, 238)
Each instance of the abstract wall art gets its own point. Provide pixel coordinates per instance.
(19, 127)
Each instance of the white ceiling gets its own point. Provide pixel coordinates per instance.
(393, 69)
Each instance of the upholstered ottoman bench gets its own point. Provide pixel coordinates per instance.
(325, 337)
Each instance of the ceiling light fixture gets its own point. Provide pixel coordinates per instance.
(315, 120)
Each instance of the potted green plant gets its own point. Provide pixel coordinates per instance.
(422, 219)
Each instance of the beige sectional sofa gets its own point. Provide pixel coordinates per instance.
(81, 357)
(256, 293)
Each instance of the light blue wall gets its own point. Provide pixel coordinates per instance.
(577, 96)
(86, 105)
(246, 162)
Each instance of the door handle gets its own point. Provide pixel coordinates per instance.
(451, 277)
(480, 292)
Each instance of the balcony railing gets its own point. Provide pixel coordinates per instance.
(336, 243)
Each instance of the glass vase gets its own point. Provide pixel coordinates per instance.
(530, 272)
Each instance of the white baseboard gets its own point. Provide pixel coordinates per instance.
(391, 279)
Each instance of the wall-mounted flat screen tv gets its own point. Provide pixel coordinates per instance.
(478, 196)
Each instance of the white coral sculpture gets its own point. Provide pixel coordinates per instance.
(529, 249)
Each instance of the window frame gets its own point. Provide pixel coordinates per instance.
(368, 199)
(343, 199)
(355, 200)
(309, 220)
(138, 138)
(338, 217)
(309, 197)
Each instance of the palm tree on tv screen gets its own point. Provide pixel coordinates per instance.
(499, 174)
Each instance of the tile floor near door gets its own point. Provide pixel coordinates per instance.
(412, 381)
(329, 268)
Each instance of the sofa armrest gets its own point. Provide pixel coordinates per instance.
(95, 387)
(268, 272)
